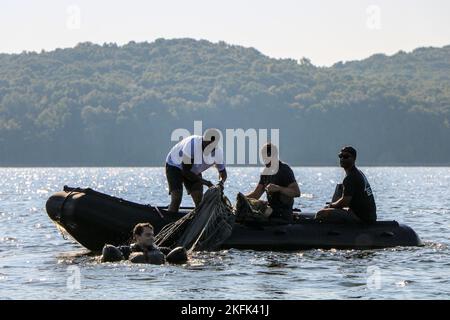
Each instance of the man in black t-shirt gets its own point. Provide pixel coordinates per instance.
(357, 203)
(278, 180)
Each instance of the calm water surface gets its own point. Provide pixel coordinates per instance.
(37, 262)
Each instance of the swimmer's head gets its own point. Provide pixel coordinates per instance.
(143, 234)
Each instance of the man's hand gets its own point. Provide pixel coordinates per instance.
(271, 188)
(208, 183)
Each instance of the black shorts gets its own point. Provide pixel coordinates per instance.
(175, 179)
(282, 213)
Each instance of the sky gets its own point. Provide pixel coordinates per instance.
(324, 31)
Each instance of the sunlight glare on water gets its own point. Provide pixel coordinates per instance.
(36, 261)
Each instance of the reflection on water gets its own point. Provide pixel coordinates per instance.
(37, 262)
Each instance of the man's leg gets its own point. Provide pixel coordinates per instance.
(336, 215)
(195, 190)
(197, 196)
(175, 182)
(175, 200)
(281, 215)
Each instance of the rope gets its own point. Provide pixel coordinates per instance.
(204, 228)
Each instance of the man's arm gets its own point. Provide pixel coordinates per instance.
(188, 174)
(291, 190)
(257, 193)
(222, 176)
(343, 202)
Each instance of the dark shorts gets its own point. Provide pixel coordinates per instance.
(282, 213)
(175, 179)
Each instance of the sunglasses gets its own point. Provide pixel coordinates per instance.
(344, 156)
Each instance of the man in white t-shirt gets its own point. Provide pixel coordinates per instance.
(185, 163)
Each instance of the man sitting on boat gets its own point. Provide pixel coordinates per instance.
(143, 249)
(278, 180)
(185, 163)
(357, 203)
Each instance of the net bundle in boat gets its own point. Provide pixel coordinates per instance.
(206, 227)
(249, 210)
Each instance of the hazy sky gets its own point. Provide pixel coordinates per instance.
(325, 31)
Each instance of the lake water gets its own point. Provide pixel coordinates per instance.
(36, 262)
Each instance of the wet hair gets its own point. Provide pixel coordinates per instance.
(351, 150)
(139, 228)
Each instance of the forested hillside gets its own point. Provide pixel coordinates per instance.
(117, 105)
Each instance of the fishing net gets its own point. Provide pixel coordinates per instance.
(251, 210)
(204, 228)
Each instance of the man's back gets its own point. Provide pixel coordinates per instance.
(191, 147)
(362, 204)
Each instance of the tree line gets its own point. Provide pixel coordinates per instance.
(108, 105)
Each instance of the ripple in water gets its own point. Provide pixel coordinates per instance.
(37, 263)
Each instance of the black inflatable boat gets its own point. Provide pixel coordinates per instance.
(94, 219)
